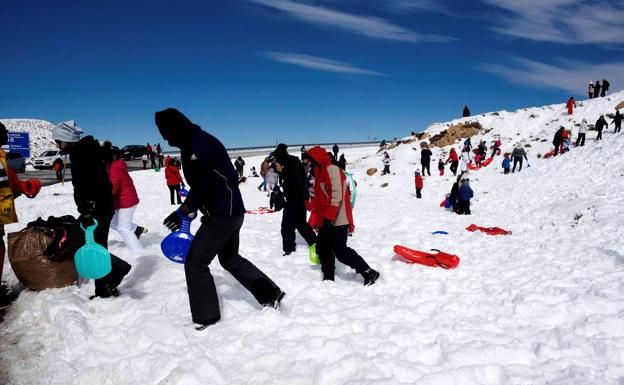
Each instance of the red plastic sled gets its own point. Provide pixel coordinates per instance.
(433, 258)
(548, 154)
(472, 166)
(261, 210)
(487, 162)
(488, 230)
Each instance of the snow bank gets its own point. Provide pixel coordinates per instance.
(541, 306)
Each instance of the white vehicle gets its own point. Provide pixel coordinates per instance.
(47, 158)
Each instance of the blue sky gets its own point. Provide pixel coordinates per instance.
(257, 72)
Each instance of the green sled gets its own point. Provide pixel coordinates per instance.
(314, 258)
(92, 260)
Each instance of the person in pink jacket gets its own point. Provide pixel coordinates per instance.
(126, 200)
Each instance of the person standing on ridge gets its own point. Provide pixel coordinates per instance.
(425, 161)
(601, 124)
(590, 90)
(597, 89)
(605, 87)
(617, 121)
(466, 112)
(580, 140)
(295, 185)
(331, 210)
(570, 105)
(93, 194)
(213, 190)
(335, 150)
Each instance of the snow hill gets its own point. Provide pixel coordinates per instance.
(40, 133)
(541, 306)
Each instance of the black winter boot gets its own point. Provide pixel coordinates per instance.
(370, 277)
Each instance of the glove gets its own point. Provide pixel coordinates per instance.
(172, 222)
(86, 208)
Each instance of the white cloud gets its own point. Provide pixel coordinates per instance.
(321, 64)
(364, 25)
(574, 78)
(435, 6)
(561, 21)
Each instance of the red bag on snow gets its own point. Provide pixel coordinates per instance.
(488, 230)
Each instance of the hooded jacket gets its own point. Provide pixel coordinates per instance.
(332, 200)
(172, 175)
(212, 179)
(453, 156)
(465, 192)
(294, 179)
(124, 192)
(89, 174)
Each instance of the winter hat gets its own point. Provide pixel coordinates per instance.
(67, 132)
(416, 172)
(281, 152)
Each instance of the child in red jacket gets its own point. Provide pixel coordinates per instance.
(419, 183)
(441, 167)
(174, 180)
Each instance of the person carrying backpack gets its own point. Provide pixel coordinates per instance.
(331, 210)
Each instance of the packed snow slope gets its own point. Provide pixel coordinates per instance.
(40, 133)
(541, 306)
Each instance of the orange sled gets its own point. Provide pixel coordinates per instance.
(433, 258)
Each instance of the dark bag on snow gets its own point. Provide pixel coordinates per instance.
(277, 199)
(33, 269)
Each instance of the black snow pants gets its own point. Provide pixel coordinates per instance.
(294, 218)
(332, 242)
(618, 127)
(463, 207)
(103, 214)
(599, 137)
(174, 190)
(220, 236)
(425, 166)
(454, 165)
(580, 141)
(517, 159)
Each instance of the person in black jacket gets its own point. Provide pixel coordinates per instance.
(213, 190)
(466, 112)
(425, 161)
(600, 125)
(617, 120)
(558, 139)
(605, 87)
(93, 194)
(597, 89)
(295, 184)
(239, 164)
(335, 150)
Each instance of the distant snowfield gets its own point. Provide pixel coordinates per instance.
(541, 306)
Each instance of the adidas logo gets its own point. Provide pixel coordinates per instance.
(193, 157)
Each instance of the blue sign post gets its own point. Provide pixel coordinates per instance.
(19, 142)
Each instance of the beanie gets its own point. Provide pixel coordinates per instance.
(67, 132)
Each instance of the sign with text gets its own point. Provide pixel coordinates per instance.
(19, 142)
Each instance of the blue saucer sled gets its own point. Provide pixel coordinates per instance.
(176, 245)
(92, 260)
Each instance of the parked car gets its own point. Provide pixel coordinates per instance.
(47, 158)
(16, 161)
(132, 151)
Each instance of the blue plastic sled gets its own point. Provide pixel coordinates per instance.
(441, 232)
(176, 245)
(92, 260)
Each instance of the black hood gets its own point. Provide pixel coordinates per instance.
(281, 153)
(174, 126)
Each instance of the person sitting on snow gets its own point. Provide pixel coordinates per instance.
(464, 194)
(506, 164)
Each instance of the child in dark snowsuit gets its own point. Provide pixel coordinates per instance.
(418, 180)
(441, 167)
(463, 198)
(506, 164)
(277, 199)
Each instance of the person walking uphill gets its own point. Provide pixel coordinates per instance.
(331, 213)
(425, 161)
(93, 194)
(601, 124)
(517, 154)
(213, 184)
(580, 140)
(295, 185)
(454, 160)
(174, 180)
(617, 121)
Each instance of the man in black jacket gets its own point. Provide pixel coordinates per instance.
(213, 184)
(601, 124)
(425, 161)
(93, 194)
(295, 184)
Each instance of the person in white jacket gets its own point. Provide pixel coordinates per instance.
(386, 163)
(464, 160)
(580, 141)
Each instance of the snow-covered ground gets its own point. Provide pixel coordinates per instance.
(541, 306)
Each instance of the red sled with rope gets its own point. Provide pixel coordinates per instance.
(488, 230)
(433, 258)
(261, 210)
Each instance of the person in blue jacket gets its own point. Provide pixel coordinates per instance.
(507, 164)
(463, 198)
(213, 184)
